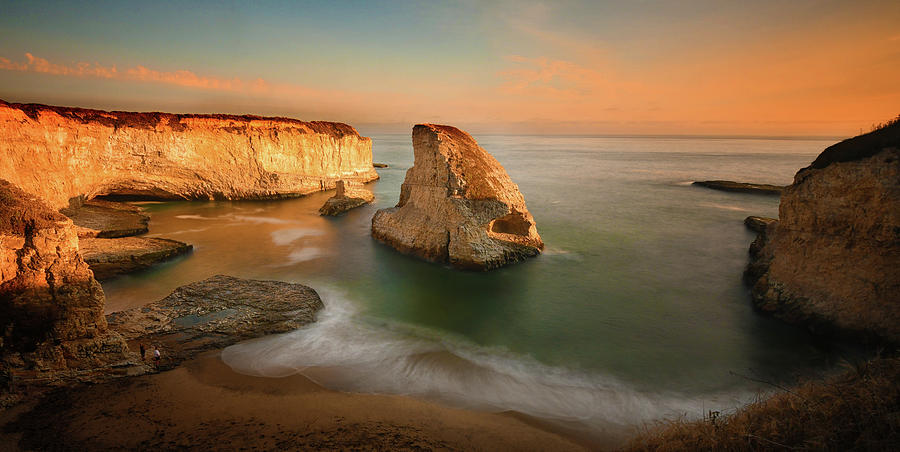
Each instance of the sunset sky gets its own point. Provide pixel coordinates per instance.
(620, 67)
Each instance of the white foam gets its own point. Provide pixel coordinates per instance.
(284, 237)
(303, 255)
(262, 220)
(347, 352)
(194, 217)
(725, 207)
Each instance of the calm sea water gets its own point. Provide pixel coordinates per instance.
(636, 310)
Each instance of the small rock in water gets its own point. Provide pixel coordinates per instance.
(348, 196)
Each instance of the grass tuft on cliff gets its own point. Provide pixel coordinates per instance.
(857, 410)
(866, 145)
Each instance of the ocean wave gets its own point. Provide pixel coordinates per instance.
(348, 352)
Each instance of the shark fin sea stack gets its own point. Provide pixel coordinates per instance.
(458, 206)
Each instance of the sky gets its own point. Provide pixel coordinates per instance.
(691, 67)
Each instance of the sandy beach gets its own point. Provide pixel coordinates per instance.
(203, 404)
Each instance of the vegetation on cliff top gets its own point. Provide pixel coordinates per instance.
(857, 410)
(862, 146)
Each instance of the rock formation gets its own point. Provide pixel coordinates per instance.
(832, 261)
(458, 206)
(63, 154)
(740, 187)
(51, 307)
(111, 257)
(218, 312)
(348, 196)
(106, 219)
(758, 224)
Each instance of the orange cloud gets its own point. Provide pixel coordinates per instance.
(137, 73)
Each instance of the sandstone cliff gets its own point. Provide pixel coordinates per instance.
(832, 261)
(51, 308)
(63, 153)
(458, 206)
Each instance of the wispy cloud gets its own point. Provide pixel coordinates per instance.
(138, 73)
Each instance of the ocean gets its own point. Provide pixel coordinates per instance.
(635, 311)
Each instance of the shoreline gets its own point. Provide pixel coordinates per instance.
(203, 403)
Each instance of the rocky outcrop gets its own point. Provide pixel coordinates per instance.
(52, 326)
(106, 219)
(832, 261)
(741, 187)
(111, 257)
(458, 206)
(63, 154)
(218, 312)
(758, 224)
(347, 196)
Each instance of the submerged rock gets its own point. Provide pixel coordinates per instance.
(348, 196)
(111, 257)
(458, 206)
(218, 312)
(51, 307)
(832, 261)
(107, 219)
(741, 187)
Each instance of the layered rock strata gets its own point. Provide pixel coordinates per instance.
(458, 206)
(347, 196)
(112, 257)
(218, 312)
(106, 219)
(51, 308)
(63, 154)
(832, 261)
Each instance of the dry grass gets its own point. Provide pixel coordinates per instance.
(857, 410)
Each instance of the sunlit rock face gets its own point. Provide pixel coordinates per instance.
(51, 307)
(61, 153)
(832, 261)
(458, 206)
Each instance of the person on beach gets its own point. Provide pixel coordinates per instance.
(156, 355)
(143, 352)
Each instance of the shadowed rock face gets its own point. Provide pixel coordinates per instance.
(458, 206)
(63, 154)
(832, 261)
(51, 307)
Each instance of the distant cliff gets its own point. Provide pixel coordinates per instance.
(61, 153)
(832, 261)
(458, 206)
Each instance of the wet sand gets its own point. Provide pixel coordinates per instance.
(203, 404)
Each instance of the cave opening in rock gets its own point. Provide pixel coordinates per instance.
(514, 223)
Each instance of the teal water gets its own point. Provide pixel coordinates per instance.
(635, 311)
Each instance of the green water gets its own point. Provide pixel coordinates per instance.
(636, 309)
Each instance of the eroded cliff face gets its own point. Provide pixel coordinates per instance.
(832, 261)
(51, 307)
(458, 206)
(63, 153)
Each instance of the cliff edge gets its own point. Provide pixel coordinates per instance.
(458, 206)
(63, 154)
(832, 261)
